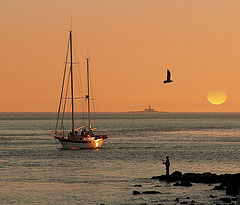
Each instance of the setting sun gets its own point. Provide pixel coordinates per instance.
(217, 97)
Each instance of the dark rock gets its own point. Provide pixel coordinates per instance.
(177, 184)
(233, 188)
(211, 196)
(150, 192)
(188, 197)
(234, 199)
(201, 178)
(156, 177)
(184, 202)
(137, 185)
(192, 201)
(186, 183)
(230, 181)
(177, 199)
(225, 200)
(176, 175)
(136, 192)
(220, 187)
(183, 183)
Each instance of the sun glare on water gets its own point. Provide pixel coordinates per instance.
(217, 97)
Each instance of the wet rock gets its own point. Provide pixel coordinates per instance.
(145, 192)
(175, 176)
(183, 183)
(233, 188)
(177, 184)
(220, 187)
(234, 199)
(136, 192)
(201, 178)
(150, 192)
(225, 200)
(232, 183)
(155, 177)
(177, 199)
(137, 185)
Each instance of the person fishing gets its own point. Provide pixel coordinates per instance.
(167, 165)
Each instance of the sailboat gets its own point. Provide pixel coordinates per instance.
(78, 137)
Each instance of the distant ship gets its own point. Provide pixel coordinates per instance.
(149, 109)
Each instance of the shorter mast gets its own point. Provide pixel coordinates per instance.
(88, 96)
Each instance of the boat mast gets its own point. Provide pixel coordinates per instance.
(87, 96)
(71, 71)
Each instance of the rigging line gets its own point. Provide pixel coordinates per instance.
(63, 81)
(93, 104)
(79, 87)
(64, 106)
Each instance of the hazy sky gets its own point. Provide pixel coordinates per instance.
(131, 44)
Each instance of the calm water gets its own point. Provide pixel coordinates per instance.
(34, 170)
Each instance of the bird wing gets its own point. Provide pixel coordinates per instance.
(168, 75)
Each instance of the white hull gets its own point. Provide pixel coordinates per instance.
(91, 144)
(80, 142)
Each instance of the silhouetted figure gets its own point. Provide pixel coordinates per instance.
(167, 165)
(83, 132)
(168, 77)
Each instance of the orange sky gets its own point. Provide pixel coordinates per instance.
(131, 44)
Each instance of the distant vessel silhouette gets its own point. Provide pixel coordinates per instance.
(149, 109)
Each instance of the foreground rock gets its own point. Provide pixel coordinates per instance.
(145, 192)
(230, 182)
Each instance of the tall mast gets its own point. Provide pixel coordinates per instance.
(88, 96)
(71, 71)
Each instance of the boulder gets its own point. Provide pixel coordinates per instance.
(233, 188)
(136, 192)
(220, 187)
(176, 176)
(183, 183)
(150, 192)
(137, 185)
(225, 200)
(177, 199)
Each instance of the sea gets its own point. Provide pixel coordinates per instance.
(34, 169)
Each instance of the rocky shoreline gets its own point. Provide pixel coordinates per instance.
(228, 182)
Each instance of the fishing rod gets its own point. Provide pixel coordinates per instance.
(159, 155)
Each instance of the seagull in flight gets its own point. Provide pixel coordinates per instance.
(168, 77)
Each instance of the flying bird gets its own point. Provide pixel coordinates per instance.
(168, 77)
